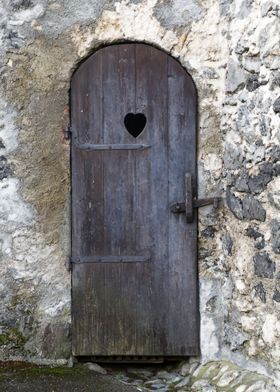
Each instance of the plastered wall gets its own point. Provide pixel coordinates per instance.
(231, 49)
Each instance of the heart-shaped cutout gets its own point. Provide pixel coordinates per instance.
(135, 123)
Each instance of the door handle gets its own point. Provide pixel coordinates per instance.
(191, 203)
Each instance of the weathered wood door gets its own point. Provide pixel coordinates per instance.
(134, 271)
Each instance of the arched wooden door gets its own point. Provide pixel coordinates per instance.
(134, 261)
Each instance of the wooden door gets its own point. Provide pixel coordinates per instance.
(134, 271)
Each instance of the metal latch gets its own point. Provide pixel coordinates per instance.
(68, 263)
(191, 203)
(67, 132)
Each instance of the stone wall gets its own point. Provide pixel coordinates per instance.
(231, 49)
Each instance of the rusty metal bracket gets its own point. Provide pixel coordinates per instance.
(191, 202)
(181, 207)
(207, 201)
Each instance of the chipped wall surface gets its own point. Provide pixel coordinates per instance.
(231, 49)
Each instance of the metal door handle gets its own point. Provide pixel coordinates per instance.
(191, 203)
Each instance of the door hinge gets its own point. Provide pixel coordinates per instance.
(67, 132)
(68, 263)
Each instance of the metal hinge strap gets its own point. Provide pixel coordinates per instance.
(109, 259)
(94, 147)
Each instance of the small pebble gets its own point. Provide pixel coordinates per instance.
(183, 383)
(95, 368)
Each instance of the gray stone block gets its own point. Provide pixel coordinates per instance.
(227, 243)
(276, 105)
(275, 234)
(260, 292)
(235, 78)
(252, 209)
(5, 169)
(234, 204)
(276, 296)
(263, 265)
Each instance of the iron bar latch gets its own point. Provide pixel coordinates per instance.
(191, 203)
(67, 132)
(68, 263)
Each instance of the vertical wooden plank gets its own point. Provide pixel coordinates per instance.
(118, 175)
(86, 117)
(118, 72)
(86, 103)
(87, 197)
(77, 172)
(144, 329)
(155, 68)
(183, 335)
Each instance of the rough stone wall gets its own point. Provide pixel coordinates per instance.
(231, 49)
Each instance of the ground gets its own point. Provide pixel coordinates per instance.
(26, 378)
(188, 376)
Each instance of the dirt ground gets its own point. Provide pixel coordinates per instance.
(27, 378)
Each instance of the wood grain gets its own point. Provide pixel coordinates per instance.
(121, 198)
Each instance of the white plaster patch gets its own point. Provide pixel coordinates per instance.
(126, 22)
(55, 305)
(243, 259)
(271, 329)
(28, 15)
(248, 323)
(241, 286)
(212, 163)
(8, 132)
(13, 210)
(210, 338)
(209, 341)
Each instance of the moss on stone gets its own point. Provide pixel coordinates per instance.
(3, 339)
(52, 371)
(28, 371)
(211, 373)
(27, 377)
(12, 337)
